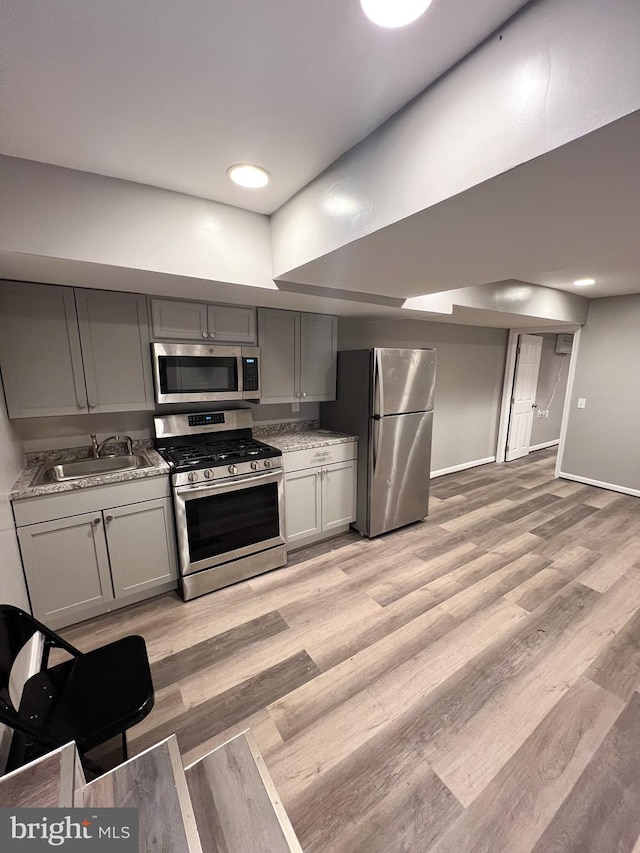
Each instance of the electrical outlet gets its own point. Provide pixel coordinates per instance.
(582, 402)
(540, 413)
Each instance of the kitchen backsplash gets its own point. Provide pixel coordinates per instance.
(55, 433)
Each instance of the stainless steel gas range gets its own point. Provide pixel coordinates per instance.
(228, 497)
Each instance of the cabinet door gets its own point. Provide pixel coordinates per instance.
(40, 351)
(67, 568)
(302, 497)
(228, 324)
(318, 356)
(115, 350)
(279, 337)
(141, 546)
(179, 321)
(338, 494)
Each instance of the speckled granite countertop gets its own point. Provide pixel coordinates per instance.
(306, 439)
(22, 488)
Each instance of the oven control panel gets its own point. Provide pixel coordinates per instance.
(206, 419)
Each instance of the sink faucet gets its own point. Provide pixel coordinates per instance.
(97, 449)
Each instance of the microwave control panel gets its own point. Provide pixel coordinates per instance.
(250, 374)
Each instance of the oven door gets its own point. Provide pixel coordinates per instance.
(187, 373)
(219, 522)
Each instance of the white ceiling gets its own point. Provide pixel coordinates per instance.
(172, 92)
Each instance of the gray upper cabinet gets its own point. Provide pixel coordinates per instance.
(279, 355)
(318, 347)
(298, 356)
(175, 320)
(40, 353)
(115, 350)
(66, 352)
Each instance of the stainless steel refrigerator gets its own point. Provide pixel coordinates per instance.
(385, 397)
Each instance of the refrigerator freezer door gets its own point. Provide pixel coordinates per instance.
(399, 469)
(403, 380)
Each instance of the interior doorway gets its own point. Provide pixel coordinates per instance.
(539, 367)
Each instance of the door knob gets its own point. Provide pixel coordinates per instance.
(205, 335)
(212, 335)
(93, 404)
(108, 518)
(97, 520)
(82, 404)
(304, 393)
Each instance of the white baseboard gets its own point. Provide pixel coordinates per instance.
(600, 485)
(462, 467)
(544, 444)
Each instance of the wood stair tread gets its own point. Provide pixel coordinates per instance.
(47, 782)
(236, 805)
(154, 783)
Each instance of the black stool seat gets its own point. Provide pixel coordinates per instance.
(92, 698)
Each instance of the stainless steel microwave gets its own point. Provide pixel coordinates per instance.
(193, 373)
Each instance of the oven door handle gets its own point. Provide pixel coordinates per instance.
(186, 491)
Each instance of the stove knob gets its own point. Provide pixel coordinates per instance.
(208, 473)
(267, 463)
(233, 469)
(193, 476)
(254, 466)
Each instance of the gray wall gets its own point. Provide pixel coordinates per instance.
(551, 364)
(469, 374)
(603, 439)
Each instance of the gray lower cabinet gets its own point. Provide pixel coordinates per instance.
(319, 492)
(177, 320)
(298, 356)
(66, 564)
(68, 352)
(82, 565)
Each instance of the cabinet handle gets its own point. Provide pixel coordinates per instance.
(93, 404)
(212, 335)
(205, 335)
(82, 404)
(97, 520)
(304, 394)
(108, 518)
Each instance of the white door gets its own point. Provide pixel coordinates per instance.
(523, 396)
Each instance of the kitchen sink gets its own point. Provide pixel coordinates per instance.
(91, 468)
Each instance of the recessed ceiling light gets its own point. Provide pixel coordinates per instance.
(248, 176)
(584, 282)
(394, 13)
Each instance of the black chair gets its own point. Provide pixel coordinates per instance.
(88, 699)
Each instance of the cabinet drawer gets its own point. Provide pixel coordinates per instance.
(297, 460)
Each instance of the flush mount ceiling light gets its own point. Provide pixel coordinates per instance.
(584, 282)
(248, 176)
(394, 13)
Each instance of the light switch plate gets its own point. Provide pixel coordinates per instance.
(582, 402)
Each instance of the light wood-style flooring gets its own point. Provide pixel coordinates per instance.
(470, 683)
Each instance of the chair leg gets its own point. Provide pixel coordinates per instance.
(125, 751)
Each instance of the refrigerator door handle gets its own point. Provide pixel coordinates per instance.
(378, 428)
(379, 389)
